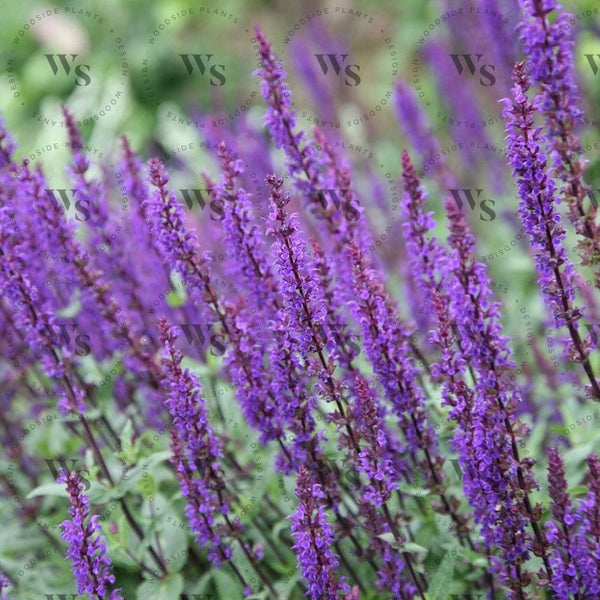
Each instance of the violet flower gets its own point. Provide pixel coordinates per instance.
(414, 122)
(299, 283)
(106, 235)
(249, 259)
(551, 65)
(587, 548)
(179, 249)
(177, 246)
(91, 565)
(376, 460)
(302, 156)
(541, 221)
(313, 539)
(197, 451)
(386, 342)
(33, 314)
(561, 532)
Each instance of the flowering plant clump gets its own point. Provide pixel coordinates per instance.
(262, 402)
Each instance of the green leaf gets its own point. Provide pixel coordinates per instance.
(578, 490)
(438, 584)
(164, 589)
(413, 490)
(48, 489)
(174, 300)
(178, 296)
(285, 589)
(174, 543)
(412, 547)
(227, 586)
(127, 453)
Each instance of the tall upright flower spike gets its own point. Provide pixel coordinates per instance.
(414, 122)
(587, 550)
(91, 565)
(461, 302)
(383, 467)
(551, 65)
(32, 313)
(140, 245)
(178, 247)
(299, 283)
(561, 532)
(303, 158)
(348, 220)
(27, 191)
(509, 512)
(249, 259)
(376, 460)
(313, 540)
(197, 451)
(105, 232)
(281, 117)
(541, 221)
(386, 342)
(287, 405)
(296, 410)
(304, 314)
(432, 266)
(340, 340)
(57, 236)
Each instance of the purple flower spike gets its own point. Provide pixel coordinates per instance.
(197, 451)
(541, 220)
(561, 532)
(281, 122)
(313, 539)
(587, 547)
(90, 564)
(551, 65)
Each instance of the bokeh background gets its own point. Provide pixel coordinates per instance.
(127, 52)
